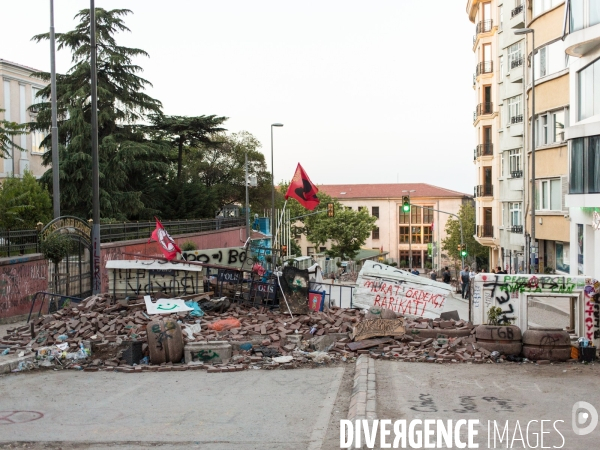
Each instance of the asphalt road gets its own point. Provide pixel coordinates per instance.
(493, 392)
(254, 409)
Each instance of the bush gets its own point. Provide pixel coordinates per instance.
(56, 246)
(188, 246)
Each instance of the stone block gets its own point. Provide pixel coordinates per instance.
(208, 352)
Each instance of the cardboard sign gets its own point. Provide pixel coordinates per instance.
(402, 292)
(378, 327)
(165, 305)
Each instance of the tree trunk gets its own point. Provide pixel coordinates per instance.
(180, 158)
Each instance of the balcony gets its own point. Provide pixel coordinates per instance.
(485, 149)
(516, 174)
(485, 231)
(483, 109)
(484, 26)
(516, 229)
(483, 190)
(516, 119)
(517, 62)
(484, 67)
(516, 11)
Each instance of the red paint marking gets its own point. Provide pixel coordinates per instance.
(13, 417)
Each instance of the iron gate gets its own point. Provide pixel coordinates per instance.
(73, 275)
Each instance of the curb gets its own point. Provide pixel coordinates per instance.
(363, 401)
(8, 365)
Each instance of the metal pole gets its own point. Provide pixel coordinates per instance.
(272, 191)
(54, 129)
(97, 269)
(462, 244)
(247, 209)
(532, 242)
(409, 237)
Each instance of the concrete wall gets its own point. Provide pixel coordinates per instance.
(20, 278)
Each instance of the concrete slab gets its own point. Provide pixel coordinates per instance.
(286, 409)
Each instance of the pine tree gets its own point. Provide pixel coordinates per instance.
(130, 164)
(7, 131)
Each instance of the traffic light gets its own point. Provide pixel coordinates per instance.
(284, 250)
(463, 250)
(406, 204)
(330, 210)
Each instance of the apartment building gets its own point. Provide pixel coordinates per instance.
(401, 236)
(502, 123)
(582, 46)
(18, 91)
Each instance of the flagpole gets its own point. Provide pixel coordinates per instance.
(279, 224)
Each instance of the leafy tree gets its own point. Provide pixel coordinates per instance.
(7, 131)
(182, 132)
(23, 203)
(129, 163)
(451, 243)
(348, 230)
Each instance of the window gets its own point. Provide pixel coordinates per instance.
(403, 217)
(427, 235)
(375, 211)
(548, 195)
(348, 208)
(322, 249)
(541, 6)
(361, 208)
(515, 112)
(36, 139)
(583, 14)
(310, 251)
(550, 127)
(585, 166)
(375, 233)
(403, 255)
(515, 56)
(403, 235)
(416, 235)
(428, 214)
(588, 91)
(503, 214)
(516, 218)
(501, 16)
(550, 59)
(502, 164)
(501, 67)
(415, 214)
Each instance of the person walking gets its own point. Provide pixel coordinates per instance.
(465, 279)
(433, 275)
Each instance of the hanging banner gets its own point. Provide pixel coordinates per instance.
(402, 292)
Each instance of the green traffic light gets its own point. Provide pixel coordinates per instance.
(406, 208)
(463, 253)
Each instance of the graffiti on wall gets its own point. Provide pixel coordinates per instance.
(18, 282)
(232, 256)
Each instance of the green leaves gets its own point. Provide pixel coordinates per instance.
(23, 203)
(56, 247)
(7, 131)
(452, 241)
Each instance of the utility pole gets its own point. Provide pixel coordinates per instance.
(54, 129)
(96, 264)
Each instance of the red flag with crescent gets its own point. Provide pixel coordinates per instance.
(302, 189)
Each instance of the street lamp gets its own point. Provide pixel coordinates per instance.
(532, 238)
(409, 231)
(54, 129)
(273, 187)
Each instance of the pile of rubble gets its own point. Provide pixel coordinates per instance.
(97, 333)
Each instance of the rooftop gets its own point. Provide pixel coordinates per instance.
(390, 190)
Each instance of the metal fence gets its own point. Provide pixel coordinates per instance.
(20, 242)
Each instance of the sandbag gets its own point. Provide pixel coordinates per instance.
(165, 341)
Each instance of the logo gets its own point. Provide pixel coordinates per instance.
(583, 413)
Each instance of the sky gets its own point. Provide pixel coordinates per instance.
(368, 92)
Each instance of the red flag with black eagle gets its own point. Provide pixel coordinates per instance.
(302, 189)
(167, 244)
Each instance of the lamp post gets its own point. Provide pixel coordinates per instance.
(54, 129)
(409, 231)
(247, 210)
(96, 264)
(531, 261)
(273, 186)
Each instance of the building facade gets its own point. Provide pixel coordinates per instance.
(18, 91)
(502, 122)
(402, 236)
(582, 47)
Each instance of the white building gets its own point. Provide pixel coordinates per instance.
(17, 92)
(582, 45)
